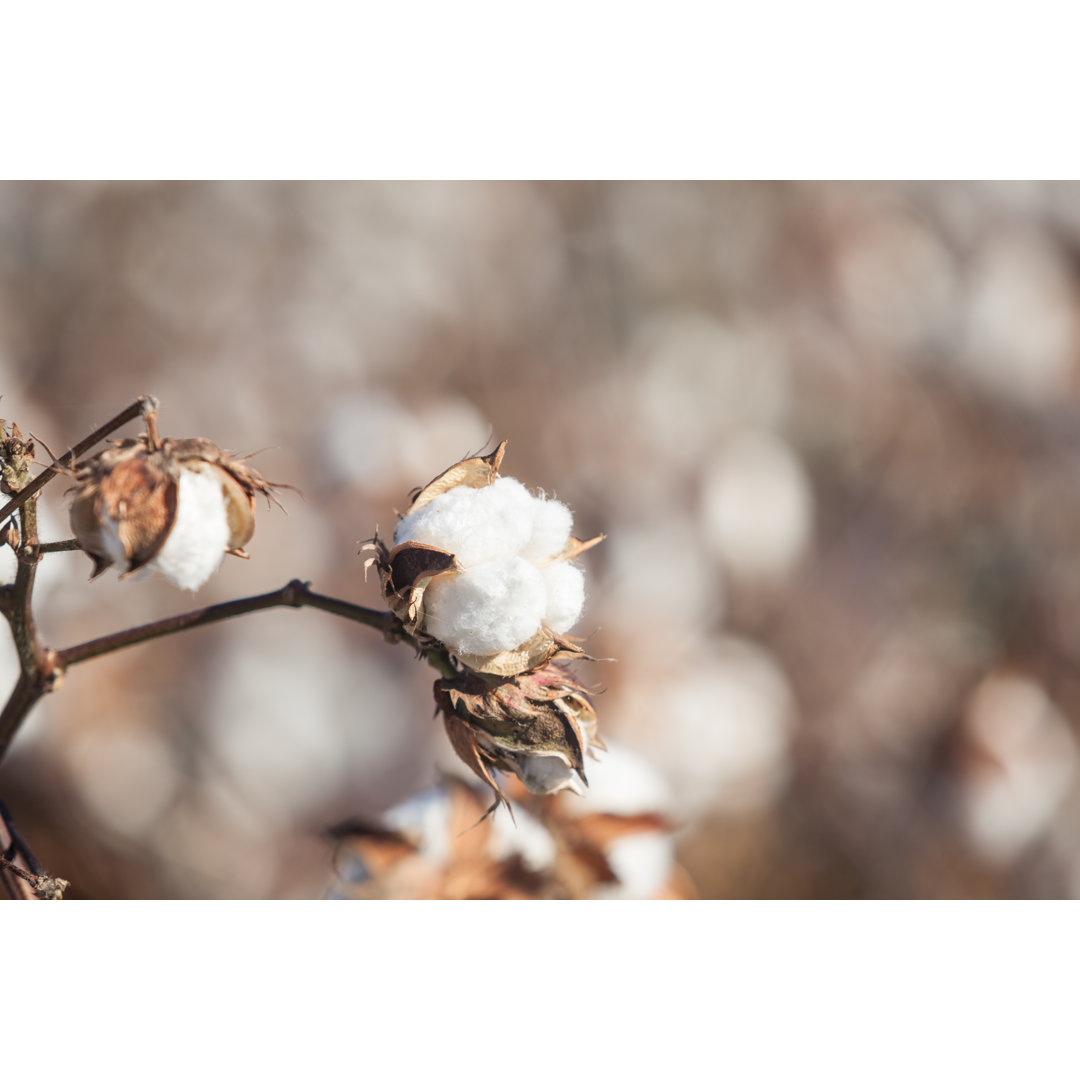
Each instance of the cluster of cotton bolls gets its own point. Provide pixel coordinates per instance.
(508, 542)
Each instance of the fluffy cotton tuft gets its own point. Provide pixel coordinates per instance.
(200, 534)
(476, 524)
(551, 526)
(488, 608)
(565, 586)
(506, 539)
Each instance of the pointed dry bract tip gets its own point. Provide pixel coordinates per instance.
(177, 508)
(475, 472)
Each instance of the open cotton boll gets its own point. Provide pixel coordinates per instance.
(488, 608)
(475, 524)
(565, 584)
(521, 835)
(200, 534)
(552, 522)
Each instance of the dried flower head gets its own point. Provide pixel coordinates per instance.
(485, 567)
(538, 725)
(176, 507)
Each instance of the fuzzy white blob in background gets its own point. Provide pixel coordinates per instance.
(505, 538)
(196, 545)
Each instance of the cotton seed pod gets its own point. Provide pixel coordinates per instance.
(484, 567)
(538, 725)
(177, 508)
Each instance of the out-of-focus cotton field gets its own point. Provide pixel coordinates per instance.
(830, 430)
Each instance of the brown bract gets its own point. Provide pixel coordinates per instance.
(510, 723)
(130, 491)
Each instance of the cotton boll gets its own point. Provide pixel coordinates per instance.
(1020, 759)
(523, 835)
(488, 608)
(624, 782)
(476, 524)
(643, 863)
(425, 821)
(758, 507)
(1022, 331)
(565, 584)
(729, 717)
(200, 534)
(552, 522)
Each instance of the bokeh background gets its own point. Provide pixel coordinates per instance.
(831, 431)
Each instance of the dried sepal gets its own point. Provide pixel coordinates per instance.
(474, 472)
(542, 648)
(240, 484)
(574, 548)
(404, 573)
(470, 750)
(124, 507)
(538, 725)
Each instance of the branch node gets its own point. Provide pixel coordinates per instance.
(293, 594)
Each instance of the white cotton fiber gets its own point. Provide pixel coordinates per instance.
(565, 585)
(547, 774)
(197, 543)
(476, 524)
(488, 608)
(552, 522)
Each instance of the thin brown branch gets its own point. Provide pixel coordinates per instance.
(60, 545)
(144, 405)
(23, 877)
(295, 594)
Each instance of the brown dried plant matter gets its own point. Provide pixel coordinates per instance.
(512, 723)
(395, 867)
(131, 488)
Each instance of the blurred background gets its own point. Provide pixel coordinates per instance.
(831, 431)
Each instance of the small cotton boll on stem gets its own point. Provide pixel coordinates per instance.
(565, 585)
(487, 608)
(197, 543)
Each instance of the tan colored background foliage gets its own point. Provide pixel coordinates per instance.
(830, 430)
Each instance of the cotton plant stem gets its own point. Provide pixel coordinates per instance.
(35, 669)
(32, 686)
(295, 594)
(59, 545)
(23, 877)
(144, 406)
